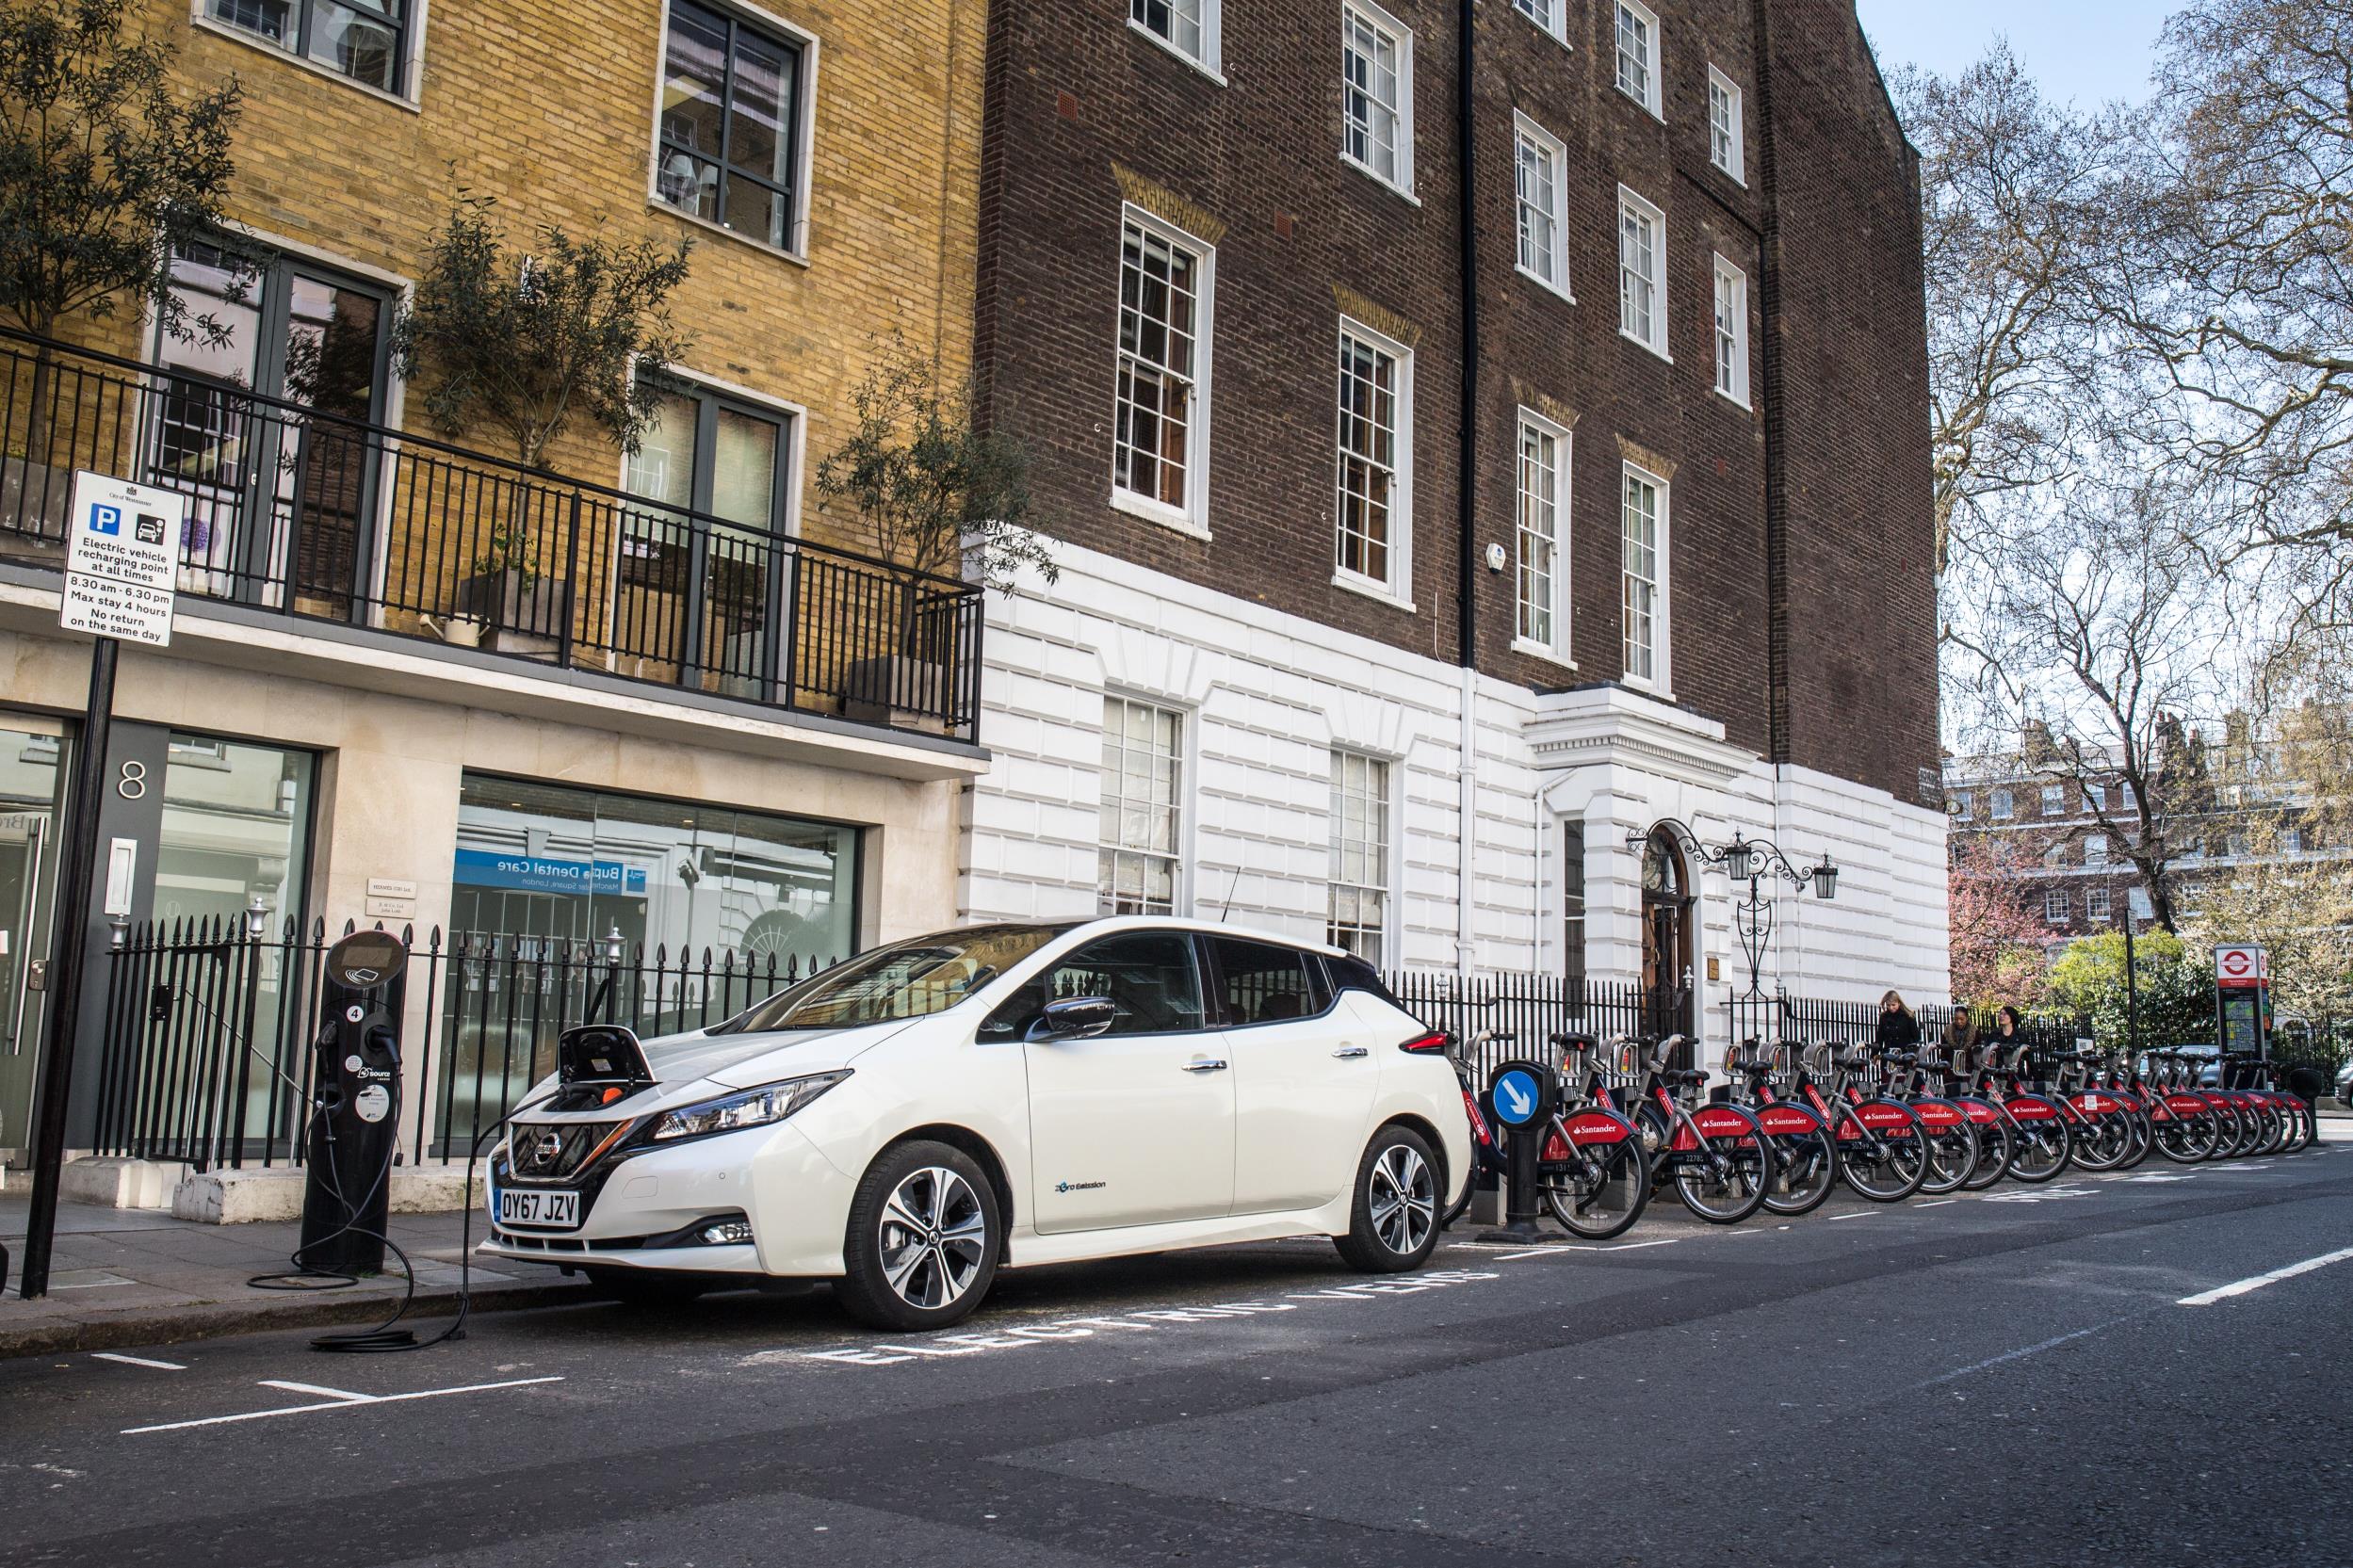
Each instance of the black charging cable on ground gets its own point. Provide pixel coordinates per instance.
(386, 1336)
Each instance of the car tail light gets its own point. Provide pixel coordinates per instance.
(1431, 1044)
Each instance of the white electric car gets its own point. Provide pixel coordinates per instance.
(1002, 1096)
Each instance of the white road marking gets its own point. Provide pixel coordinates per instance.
(1857, 1214)
(2023, 1351)
(1938, 1204)
(314, 1388)
(342, 1402)
(137, 1361)
(1586, 1247)
(2240, 1288)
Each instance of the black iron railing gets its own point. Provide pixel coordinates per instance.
(304, 512)
(1531, 1008)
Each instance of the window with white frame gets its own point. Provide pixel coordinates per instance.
(1377, 94)
(1963, 803)
(1551, 15)
(1543, 193)
(1641, 271)
(2054, 906)
(1725, 147)
(1638, 54)
(2096, 905)
(2002, 808)
(1188, 27)
(1375, 452)
(1732, 331)
(1160, 404)
(1361, 856)
(1136, 868)
(1542, 579)
(1645, 519)
(2095, 797)
(2096, 849)
(2054, 800)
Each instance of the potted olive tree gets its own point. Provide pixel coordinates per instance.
(936, 497)
(527, 343)
(105, 171)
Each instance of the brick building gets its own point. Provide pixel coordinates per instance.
(1558, 489)
(678, 726)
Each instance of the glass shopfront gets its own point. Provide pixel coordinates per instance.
(548, 864)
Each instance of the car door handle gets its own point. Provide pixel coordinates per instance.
(1349, 1053)
(1205, 1065)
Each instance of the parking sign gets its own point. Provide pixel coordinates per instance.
(123, 558)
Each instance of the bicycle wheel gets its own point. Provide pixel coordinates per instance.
(1604, 1186)
(1723, 1178)
(1952, 1148)
(2041, 1146)
(1993, 1145)
(1806, 1159)
(2100, 1137)
(2189, 1132)
(2143, 1136)
(1883, 1157)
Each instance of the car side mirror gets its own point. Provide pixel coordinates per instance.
(1075, 1018)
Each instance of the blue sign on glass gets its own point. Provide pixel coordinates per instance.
(1516, 1096)
(541, 874)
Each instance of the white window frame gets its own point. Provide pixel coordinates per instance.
(1383, 847)
(410, 97)
(1629, 200)
(1734, 163)
(1731, 280)
(1550, 17)
(1398, 589)
(2054, 906)
(1526, 134)
(1194, 516)
(1653, 96)
(1661, 681)
(2098, 907)
(1210, 61)
(1964, 804)
(2095, 850)
(1180, 828)
(1400, 37)
(1557, 648)
(2054, 800)
(2002, 806)
(803, 219)
(2095, 797)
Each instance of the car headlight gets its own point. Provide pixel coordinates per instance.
(754, 1107)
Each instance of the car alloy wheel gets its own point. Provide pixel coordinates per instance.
(932, 1237)
(1403, 1199)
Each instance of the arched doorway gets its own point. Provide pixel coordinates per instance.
(1666, 936)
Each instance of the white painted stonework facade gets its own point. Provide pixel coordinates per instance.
(1267, 697)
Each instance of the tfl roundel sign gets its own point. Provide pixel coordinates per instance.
(2242, 968)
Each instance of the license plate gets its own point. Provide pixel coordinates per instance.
(527, 1207)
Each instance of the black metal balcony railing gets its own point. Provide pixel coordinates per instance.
(306, 513)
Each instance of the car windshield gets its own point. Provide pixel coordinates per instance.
(907, 979)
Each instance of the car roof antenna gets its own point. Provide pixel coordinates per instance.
(1230, 886)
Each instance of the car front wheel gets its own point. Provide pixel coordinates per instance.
(924, 1239)
(1393, 1224)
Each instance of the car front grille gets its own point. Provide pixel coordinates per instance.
(554, 1150)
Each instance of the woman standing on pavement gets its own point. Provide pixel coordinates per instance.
(1898, 1030)
(1960, 1042)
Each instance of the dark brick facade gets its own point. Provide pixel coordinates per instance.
(1076, 95)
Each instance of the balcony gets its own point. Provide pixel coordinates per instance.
(296, 511)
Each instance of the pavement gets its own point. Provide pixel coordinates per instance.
(2146, 1368)
(140, 1277)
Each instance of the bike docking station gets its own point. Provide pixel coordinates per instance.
(1521, 1098)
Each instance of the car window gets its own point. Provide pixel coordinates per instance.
(1355, 973)
(907, 979)
(1148, 977)
(1262, 983)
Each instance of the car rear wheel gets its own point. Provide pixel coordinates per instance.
(924, 1241)
(1393, 1224)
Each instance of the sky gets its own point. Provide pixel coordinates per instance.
(2089, 51)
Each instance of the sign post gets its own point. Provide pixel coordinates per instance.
(2242, 1001)
(1520, 1096)
(123, 553)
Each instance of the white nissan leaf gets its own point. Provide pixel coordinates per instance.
(1004, 1096)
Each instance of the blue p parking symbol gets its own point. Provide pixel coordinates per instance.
(105, 520)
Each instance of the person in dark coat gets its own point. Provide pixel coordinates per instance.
(1960, 1042)
(1898, 1030)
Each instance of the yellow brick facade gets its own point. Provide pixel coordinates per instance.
(548, 106)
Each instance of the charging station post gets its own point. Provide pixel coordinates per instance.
(355, 1098)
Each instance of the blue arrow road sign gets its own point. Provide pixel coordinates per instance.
(1515, 1094)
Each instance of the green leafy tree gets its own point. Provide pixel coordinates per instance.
(104, 170)
(2174, 984)
(933, 492)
